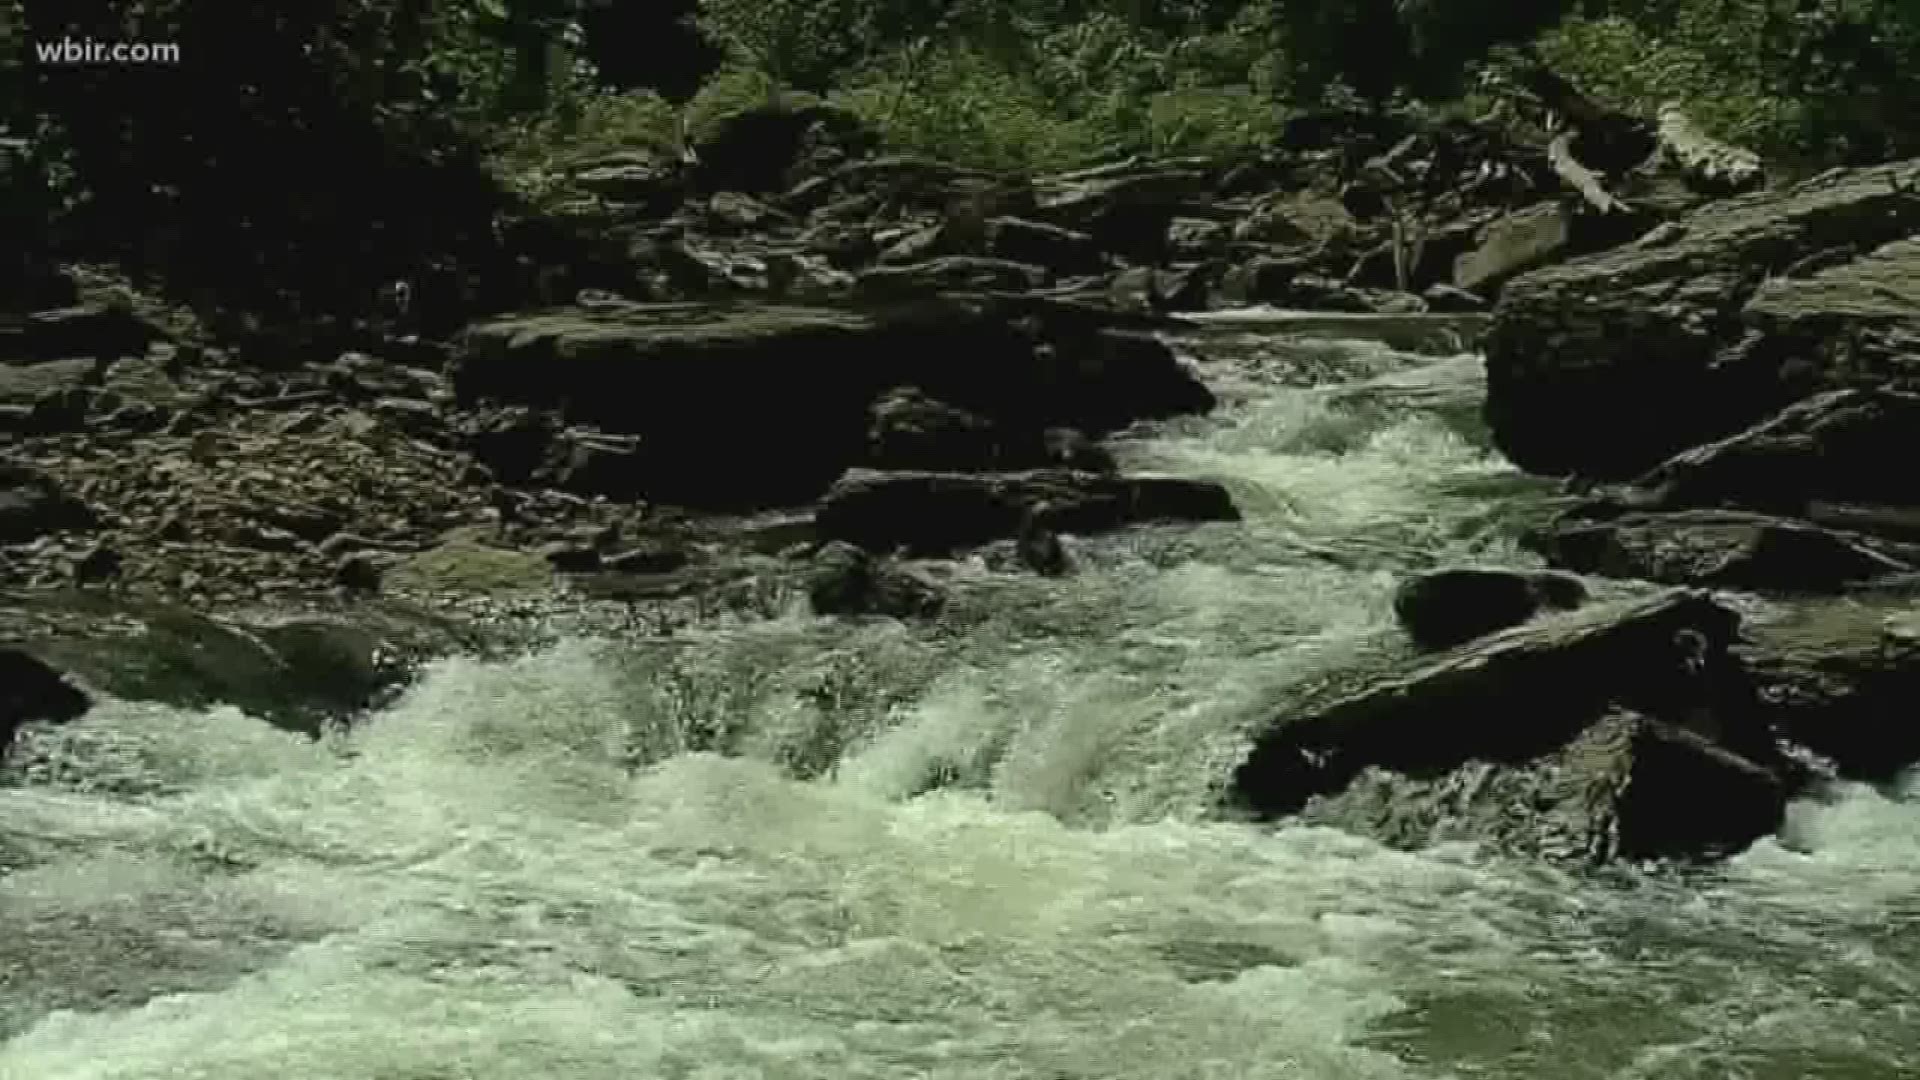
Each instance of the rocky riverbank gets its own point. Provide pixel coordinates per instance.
(830, 361)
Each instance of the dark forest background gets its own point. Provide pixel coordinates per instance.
(298, 155)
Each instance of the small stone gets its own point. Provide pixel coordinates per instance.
(358, 572)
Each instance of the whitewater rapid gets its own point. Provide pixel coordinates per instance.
(800, 848)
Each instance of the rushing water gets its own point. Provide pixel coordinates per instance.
(796, 848)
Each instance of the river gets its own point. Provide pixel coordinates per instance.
(797, 848)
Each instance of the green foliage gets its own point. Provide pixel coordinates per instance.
(1625, 66)
(1834, 80)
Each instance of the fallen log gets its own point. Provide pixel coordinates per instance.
(1578, 176)
(1705, 161)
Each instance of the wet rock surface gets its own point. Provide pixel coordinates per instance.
(1597, 721)
(1445, 608)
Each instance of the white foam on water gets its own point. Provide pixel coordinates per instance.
(1000, 864)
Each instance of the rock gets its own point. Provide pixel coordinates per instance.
(1840, 677)
(1441, 297)
(631, 178)
(1059, 250)
(845, 580)
(571, 557)
(1151, 289)
(1296, 219)
(1264, 282)
(951, 273)
(1627, 787)
(1445, 608)
(767, 149)
(1128, 212)
(1607, 365)
(1039, 549)
(513, 443)
(359, 572)
(1513, 244)
(764, 406)
(1729, 549)
(96, 331)
(910, 430)
(648, 558)
(1840, 446)
(464, 565)
(297, 670)
(938, 513)
(32, 506)
(586, 462)
(1514, 698)
(1198, 239)
(730, 212)
(33, 692)
(27, 384)
(1070, 448)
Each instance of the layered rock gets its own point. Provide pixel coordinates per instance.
(1606, 365)
(1585, 731)
(767, 405)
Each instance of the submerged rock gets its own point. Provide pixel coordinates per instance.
(1638, 701)
(845, 580)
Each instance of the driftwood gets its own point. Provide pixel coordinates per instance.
(1704, 160)
(1578, 176)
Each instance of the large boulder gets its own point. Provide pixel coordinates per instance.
(1840, 677)
(766, 405)
(1445, 608)
(31, 691)
(932, 513)
(1840, 446)
(1627, 787)
(1641, 700)
(1608, 364)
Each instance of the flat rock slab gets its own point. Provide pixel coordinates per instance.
(1513, 698)
(1839, 446)
(294, 669)
(1605, 365)
(1730, 549)
(762, 405)
(929, 513)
